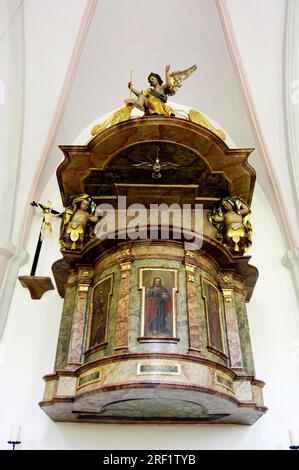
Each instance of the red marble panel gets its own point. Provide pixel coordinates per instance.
(123, 310)
(75, 350)
(232, 333)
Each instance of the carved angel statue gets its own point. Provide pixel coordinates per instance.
(231, 219)
(153, 99)
(77, 226)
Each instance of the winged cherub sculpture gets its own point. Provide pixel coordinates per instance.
(153, 99)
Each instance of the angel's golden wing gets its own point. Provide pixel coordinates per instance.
(196, 116)
(176, 78)
(122, 114)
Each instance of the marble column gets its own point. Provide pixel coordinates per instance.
(79, 319)
(123, 308)
(192, 309)
(232, 329)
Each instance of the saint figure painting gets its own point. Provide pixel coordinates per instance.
(158, 309)
(213, 315)
(99, 312)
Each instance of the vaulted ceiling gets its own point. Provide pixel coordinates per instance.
(75, 57)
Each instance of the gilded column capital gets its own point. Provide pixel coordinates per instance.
(190, 271)
(190, 257)
(226, 280)
(83, 287)
(85, 275)
(228, 295)
(125, 256)
(125, 267)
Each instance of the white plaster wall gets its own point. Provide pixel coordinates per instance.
(29, 345)
(4, 78)
(259, 30)
(7, 176)
(50, 29)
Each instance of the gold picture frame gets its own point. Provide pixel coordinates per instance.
(159, 287)
(213, 312)
(98, 325)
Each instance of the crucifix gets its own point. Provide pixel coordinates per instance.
(46, 226)
(38, 285)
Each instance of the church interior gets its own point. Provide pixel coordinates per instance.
(149, 261)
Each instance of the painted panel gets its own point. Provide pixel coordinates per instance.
(158, 305)
(100, 304)
(213, 310)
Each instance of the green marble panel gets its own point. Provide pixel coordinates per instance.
(153, 368)
(65, 328)
(89, 378)
(244, 334)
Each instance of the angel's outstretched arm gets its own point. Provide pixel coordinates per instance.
(167, 78)
(136, 92)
